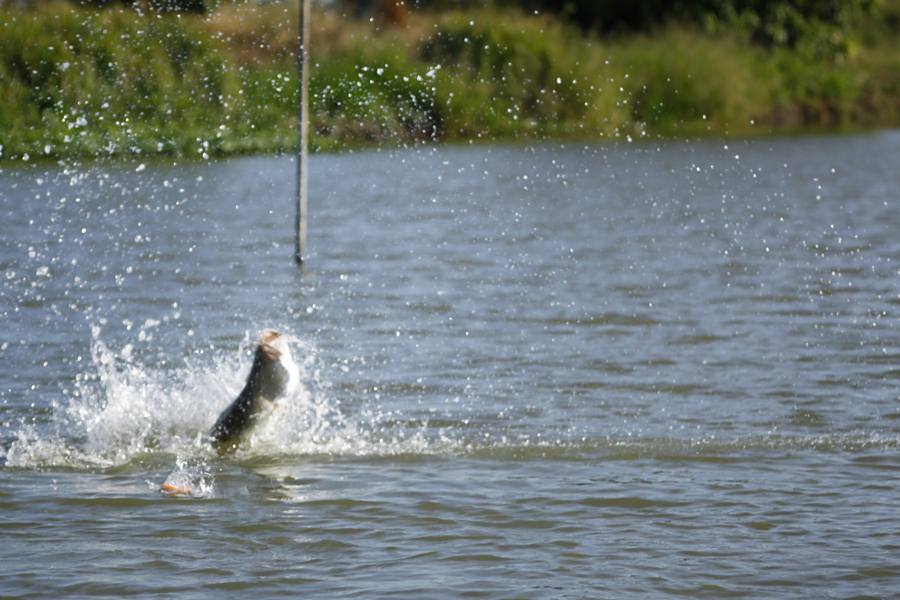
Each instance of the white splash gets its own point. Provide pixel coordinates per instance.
(121, 412)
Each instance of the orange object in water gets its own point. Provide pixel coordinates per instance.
(170, 489)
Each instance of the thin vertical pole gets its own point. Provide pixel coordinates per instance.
(302, 128)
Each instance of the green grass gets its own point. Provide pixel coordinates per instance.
(77, 82)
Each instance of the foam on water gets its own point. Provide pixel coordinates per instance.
(121, 409)
(123, 412)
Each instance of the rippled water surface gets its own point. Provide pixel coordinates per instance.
(606, 371)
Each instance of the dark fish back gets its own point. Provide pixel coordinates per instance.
(267, 379)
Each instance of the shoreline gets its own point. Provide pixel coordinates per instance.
(90, 84)
(13, 164)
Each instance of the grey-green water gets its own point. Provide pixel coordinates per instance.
(657, 370)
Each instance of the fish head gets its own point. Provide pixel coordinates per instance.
(276, 348)
(272, 344)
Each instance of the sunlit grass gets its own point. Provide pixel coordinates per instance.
(77, 82)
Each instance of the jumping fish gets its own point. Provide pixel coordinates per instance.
(274, 374)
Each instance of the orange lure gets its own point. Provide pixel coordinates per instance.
(172, 490)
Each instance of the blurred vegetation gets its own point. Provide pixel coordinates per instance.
(818, 24)
(84, 80)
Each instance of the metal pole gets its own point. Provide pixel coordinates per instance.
(302, 128)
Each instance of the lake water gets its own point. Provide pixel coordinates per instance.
(568, 371)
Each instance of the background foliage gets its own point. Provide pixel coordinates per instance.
(87, 80)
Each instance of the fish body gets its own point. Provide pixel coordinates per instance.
(272, 376)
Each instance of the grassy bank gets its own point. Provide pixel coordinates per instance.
(78, 82)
